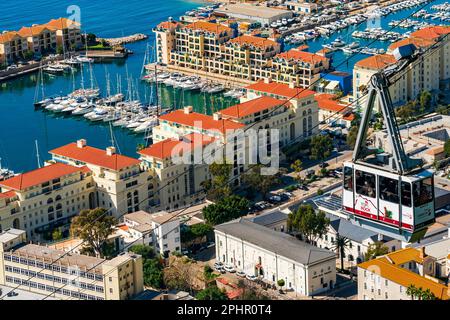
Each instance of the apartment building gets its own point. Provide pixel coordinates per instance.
(299, 67)
(39, 200)
(40, 38)
(215, 48)
(177, 184)
(121, 184)
(198, 44)
(68, 33)
(272, 255)
(430, 73)
(333, 112)
(65, 276)
(12, 47)
(388, 277)
(299, 119)
(160, 230)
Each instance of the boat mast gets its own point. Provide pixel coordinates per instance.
(37, 154)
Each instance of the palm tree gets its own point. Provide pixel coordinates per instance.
(412, 291)
(340, 244)
(427, 295)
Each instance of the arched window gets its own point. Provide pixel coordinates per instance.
(57, 198)
(50, 209)
(58, 206)
(305, 130)
(309, 125)
(135, 192)
(129, 195)
(49, 200)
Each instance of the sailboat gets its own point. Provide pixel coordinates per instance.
(40, 89)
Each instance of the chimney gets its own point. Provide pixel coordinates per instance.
(422, 253)
(291, 85)
(188, 109)
(267, 80)
(81, 143)
(217, 116)
(110, 151)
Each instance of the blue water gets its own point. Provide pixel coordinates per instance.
(21, 125)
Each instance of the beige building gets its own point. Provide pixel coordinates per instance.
(165, 40)
(12, 47)
(40, 38)
(42, 199)
(68, 33)
(271, 255)
(65, 276)
(430, 73)
(121, 183)
(388, 277)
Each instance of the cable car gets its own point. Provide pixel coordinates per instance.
(387, 193)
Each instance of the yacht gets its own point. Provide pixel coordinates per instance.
(82, 109)
(84, 59)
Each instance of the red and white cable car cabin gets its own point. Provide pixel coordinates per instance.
(404, 202)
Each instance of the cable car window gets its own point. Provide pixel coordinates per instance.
(423, 192)
(365, 184)
(406, 194)
(388, 189)
(348, 179)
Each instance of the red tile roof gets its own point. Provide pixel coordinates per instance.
(206, 122)
(254, 41)
(164, 149)
(326, 102)
(280, 89)
(208, 27)
(38, 176)
(304, 56)
(95, 156)
(431, 33)
(8, 194)
(8, 36)
(417, 42)
(34, 30)
(376, 62)
(63, 23)
(252, 106)
(168, 24)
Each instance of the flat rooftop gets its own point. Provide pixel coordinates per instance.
(251, 10)
(22, 294)
(59, 257)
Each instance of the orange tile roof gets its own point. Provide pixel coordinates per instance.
(254, 41)
(8, 194)
(431, 33)
(304, 56)
(377, 62)
(325, 102)
(404, 277)
(38, 176)
(206, 122)
(417, 42)
(95, 156)
(8, 36)
(34, 30)
(405, 255)
(280, 89)
(349, 117)
(164, 149)
(63, 23)
(168, 24)
(303, 47)
(208, 27)
(252, 106)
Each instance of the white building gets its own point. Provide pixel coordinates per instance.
(160, 230)
(273, 255)
(261, 14)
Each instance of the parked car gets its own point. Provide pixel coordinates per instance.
(251, 277)
(241, 274)
(185, 252)
(324, 165)
(12, 294)
(229, 268)
(275, 199)
(218, 263)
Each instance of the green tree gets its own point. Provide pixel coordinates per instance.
(59, 49)
(320, 192)
(57, 234)
(425, 101)
(219, 186)
(212, 293)
(147, 252)
(405, 112)
(321, 147)
(340, 244)
(444, 110)
(297, 167)
(93, 227)
(151, 265)
(281, 283)
(28, 55)
(309, 223)
(259, 182)
(227, 209)
(195, 232)
(352, 135)
(140, 146)
(411, 291)
(376, 249)
(428, 295)
(447, 148)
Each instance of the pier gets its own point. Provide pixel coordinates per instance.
(123, 40)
